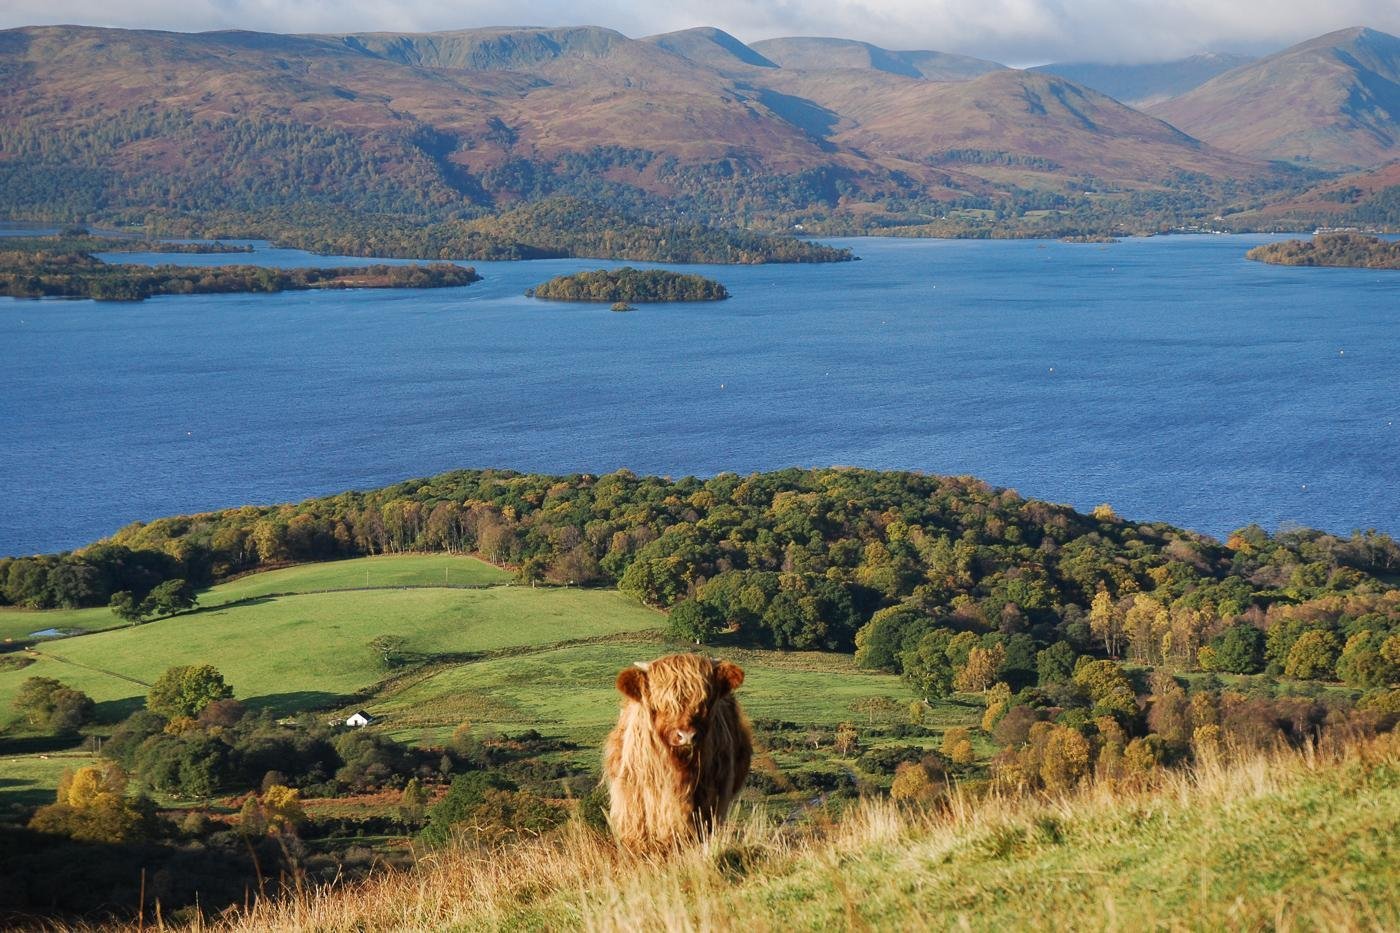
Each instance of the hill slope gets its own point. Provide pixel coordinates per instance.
(1143, 85)
(1291, 842)
(1008, 125)
(715, 48)
(814, 53)
(1333, 101)
(691, 125)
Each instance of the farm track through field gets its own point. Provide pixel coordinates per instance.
(62, 660)
(246, 600)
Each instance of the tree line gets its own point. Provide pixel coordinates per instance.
(904, 568)
(552, 228)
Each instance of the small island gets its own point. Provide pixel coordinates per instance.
(1089, 238)
(64, 267)
(1350, 250)
(627, 285)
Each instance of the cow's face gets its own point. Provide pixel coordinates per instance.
(679, 692)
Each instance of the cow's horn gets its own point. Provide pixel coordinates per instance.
(644, 665)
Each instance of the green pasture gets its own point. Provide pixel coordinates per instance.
(394, 570)
(29, 780)
(507, 658)
(17, 624)
(361, 572)
(570, 691)
(300, 652)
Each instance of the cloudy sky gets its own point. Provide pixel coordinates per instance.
(1019, 32)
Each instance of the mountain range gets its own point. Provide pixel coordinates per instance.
(1151, 83)
(1333, 102)
(693, 124)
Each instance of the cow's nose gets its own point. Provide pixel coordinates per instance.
(683, 736)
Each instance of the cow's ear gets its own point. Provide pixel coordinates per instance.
(630, 682)
(728, 676)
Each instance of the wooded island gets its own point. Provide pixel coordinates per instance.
(627, 285)
(1349, 250)
(64, 267)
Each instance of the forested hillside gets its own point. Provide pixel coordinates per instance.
(385, 131)
(832, 559)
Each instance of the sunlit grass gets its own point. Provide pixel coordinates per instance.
(1284, 841)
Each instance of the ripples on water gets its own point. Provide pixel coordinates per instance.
(1167, 376)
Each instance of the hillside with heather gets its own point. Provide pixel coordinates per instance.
(1141, 85)
(1332, 102)
(322, 131)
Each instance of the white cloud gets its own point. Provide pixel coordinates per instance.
(1015, 31)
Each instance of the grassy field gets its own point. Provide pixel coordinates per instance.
(570, 691)
(17, 624)
(386, 571)
(29, 780)
(1287, 841)
(507, 658)
(298, 652)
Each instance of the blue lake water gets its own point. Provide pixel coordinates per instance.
(1168, 376)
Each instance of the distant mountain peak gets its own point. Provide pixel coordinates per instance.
(825, 53)
(1152, 82)
(1332, 101)
(707, 45)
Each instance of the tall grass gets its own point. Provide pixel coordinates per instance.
(1287, 840)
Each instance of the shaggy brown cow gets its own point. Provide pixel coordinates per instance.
(680, 751)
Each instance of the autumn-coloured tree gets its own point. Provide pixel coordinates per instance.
(251, 820)
(1064, 758)
(957, 745)
(1363, 663)
(1106, 622)
(282, 809)
(998, 700)
(1169, 714)
(914, 783)
(1111, 741)
(980, 670)
(1143, 755)
(91, 805)
(1206, 743)
(413, 801)
(1145, 624)
(1313, 656)
(1203, 710)
(917, 710)
(847, 739)
(1108, 687)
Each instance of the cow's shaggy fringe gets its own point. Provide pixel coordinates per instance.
(655, 800)
(579, 879)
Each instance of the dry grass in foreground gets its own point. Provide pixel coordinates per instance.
(1289, 841)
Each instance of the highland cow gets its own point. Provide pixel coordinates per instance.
(680, 752)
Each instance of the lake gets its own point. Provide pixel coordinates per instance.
(1166, 376)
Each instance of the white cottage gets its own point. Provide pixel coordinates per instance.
(359, 718)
